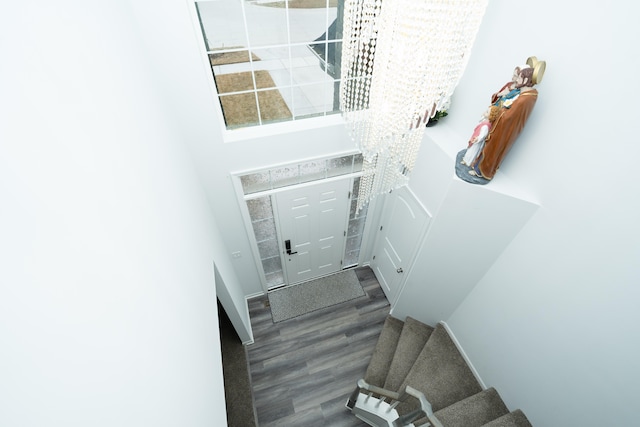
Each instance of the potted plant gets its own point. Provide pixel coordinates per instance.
(434, 120)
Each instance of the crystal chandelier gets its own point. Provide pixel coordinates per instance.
(401, 61)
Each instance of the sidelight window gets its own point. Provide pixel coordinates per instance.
(258, 188)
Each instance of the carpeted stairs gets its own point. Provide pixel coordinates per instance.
(412, 354)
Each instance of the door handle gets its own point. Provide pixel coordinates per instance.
(287, 246)
(400, 270)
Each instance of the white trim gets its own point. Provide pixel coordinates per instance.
(274, 191)
(246, 218)
(464, 355)
(367, 234)
(200, 39)
(279, 240)
(421, 236)
(246, 304)
(250, 340)
(279, 128)
(260, 130)
(346, 225)
(418, 201)
(252, 296)
(419, 243)
(277, 217)
(272, 46)
(243, 198)
(335, 155)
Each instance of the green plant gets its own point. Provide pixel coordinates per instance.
(440, 114)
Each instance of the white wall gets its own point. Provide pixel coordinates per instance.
(219, 161)
(170, 44)
(472, 227)
(107, 297)
(215, 159)
(553, 325)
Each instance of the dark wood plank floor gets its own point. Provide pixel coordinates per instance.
(303, 370)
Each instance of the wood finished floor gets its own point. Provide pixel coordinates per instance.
(303, 369)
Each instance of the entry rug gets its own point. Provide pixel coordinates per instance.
(296, 300)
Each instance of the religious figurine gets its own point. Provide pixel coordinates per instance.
(476, 142)
(514, 103)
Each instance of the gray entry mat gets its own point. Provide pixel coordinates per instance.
(296, 300)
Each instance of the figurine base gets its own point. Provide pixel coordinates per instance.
(463, 171)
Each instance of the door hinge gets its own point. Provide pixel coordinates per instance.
(344, 234)
(380, 228)
(374, 257)
(349, 195)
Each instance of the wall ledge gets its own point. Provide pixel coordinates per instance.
(450, 142)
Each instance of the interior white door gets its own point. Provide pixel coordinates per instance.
(401, 231)
(313, 221)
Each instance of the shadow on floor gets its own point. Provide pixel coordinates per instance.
(237, 387)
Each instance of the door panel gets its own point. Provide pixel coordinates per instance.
(314, 219)
(384, 269)
(402, 228)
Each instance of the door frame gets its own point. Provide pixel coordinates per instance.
(242, 198)
(345, 224)
(378, 240)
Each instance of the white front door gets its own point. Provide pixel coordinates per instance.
(402, 228)
(313, 223)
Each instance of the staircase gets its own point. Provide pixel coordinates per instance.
(417, 377)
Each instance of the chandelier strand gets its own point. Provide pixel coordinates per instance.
(401, 62)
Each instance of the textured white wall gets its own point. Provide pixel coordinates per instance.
(107, 297)
(553, 325)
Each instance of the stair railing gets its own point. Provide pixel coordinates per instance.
(395, 399)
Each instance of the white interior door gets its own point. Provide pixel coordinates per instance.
(313, 220)
(401, 231)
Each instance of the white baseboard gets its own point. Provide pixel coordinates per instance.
(464, 355)
(252, 296)
(246, 307)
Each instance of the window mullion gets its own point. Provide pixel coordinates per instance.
(293, 86)
(251, 67)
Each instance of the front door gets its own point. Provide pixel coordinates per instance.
(313, 223)
(400, 233)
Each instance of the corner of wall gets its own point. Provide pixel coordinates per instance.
(464, 354)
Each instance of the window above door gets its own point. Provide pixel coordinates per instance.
(273, 61)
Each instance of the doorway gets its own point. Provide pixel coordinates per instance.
(313, 228)
(263, 192)
(403, 226)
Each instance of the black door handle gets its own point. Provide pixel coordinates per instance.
(287, 246)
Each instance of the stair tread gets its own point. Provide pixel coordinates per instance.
(413, 337)
(441, 373)
(384, 351)
(474, 411)
(512, 419)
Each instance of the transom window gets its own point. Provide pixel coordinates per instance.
(273, 61)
